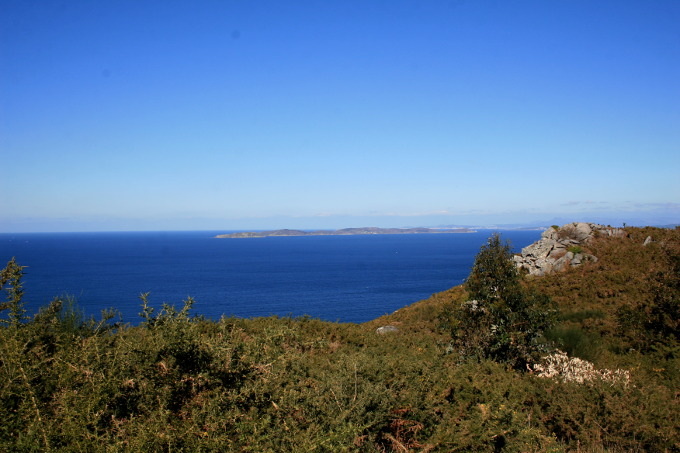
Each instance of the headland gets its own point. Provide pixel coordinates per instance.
(342, 232)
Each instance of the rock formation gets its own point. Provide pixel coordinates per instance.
(561, 247)
(386, 329)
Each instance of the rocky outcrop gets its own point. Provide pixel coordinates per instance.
(562, 247)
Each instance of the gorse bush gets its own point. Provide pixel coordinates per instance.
(10, 282)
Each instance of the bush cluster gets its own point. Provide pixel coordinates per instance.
(177, 382)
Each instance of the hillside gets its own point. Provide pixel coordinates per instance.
(625, 274)
(180, 383)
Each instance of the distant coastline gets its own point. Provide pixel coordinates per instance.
(342, 232)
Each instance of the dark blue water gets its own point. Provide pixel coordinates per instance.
(335, 278)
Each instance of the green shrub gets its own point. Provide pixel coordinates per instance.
(575, 249)
(654, 324)
(500, 320)
(581, 315)
(575, 342)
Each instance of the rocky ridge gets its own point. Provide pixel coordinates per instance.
(562, 247)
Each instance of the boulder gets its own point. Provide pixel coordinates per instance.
(386, 329)
(552, 252)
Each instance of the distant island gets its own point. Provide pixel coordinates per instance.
(342, 232)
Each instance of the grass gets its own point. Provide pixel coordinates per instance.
(575, 249)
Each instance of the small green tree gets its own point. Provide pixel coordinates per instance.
(500, 320)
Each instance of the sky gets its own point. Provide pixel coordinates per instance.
(250, 114)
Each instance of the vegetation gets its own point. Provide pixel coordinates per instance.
(177, 382)
(575, 249)
(501, 320)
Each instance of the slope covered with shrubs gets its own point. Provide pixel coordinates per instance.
(183, 383)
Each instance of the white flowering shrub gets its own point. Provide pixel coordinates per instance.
(559, 366)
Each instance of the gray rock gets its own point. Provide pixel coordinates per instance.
(611, 232)
(386, 329)
(561, 263)
(589, 257)
(550, 233)
(550, 253)
(576, 232)
(648, 241)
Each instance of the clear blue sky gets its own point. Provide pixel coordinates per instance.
(165, 115)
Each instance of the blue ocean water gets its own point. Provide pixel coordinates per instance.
(335, 278)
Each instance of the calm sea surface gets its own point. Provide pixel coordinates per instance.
(335, 278)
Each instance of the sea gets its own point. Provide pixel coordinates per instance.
(333, 278)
